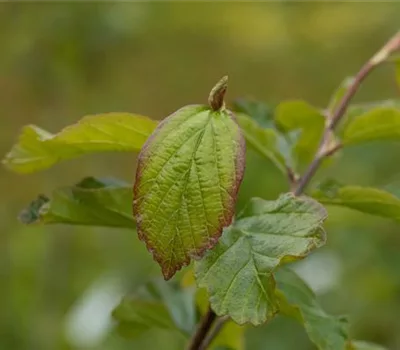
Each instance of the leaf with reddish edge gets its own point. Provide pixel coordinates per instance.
(188, 176)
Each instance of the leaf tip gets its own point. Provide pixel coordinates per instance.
(217, 94)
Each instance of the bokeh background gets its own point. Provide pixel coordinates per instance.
(59, 62)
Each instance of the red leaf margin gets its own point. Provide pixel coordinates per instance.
(224, 221)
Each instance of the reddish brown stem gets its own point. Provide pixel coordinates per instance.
(202, 330)
(324, 149)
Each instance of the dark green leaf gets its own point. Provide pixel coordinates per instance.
(38, 149)
(263, 141)
(260, 112)
(91, 202)
(297, 300)
(365, 199)
(140, 316)
(188, 176)
(304, 125)
(157, 305)
(382, 123)
(237, 273)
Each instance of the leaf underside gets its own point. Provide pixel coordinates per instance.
(237, 273)
(91, 202)
(187, 179)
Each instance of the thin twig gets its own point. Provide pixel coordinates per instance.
(325, 148)
(219, 323)
(292, 177)
(202, 330)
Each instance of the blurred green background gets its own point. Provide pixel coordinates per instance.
(59, 62)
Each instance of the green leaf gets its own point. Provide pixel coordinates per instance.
(137, 316)
(365, 199)
(363, 345)
(263, 141)
(304, 124)
(355, 110)
(38, 149)
(260, 112)
(180, 303)
(237, 273)
(188, 176)
(297, 300)
(339, 93)
(156, 305)
(91, 202)
(377, 124)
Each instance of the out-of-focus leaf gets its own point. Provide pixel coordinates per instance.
(365, 199)
(38, 149)
(308, 122)
(356, 110)
(298, 301)
(260, 112)
(339, 93)
(231, 336)
(237, 273)
(156, 305)
(92, 202)
(263, 141)
(363, 345)
(138, 316)
(398, 73)
(188, 176)
(382, 123)
(179, 302)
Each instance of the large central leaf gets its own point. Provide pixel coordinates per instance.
(238, 271)
(188, 175)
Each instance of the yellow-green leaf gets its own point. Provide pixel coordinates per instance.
(188, 176)
(365, 199)
(363, 345)
(38, 149)
(382, 123)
